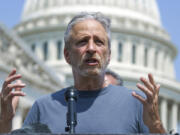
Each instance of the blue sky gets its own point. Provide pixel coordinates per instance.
(10, 14)
(170, 17)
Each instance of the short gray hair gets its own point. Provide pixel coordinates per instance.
(115, 75)
(106, 23)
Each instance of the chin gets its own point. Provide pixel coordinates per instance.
(92, 72)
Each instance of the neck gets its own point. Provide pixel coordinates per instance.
(89, 82)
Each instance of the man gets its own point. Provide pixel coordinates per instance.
(113, 78)
(101, 108)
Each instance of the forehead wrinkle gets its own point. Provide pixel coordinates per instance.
(87, 33)
(88, 28)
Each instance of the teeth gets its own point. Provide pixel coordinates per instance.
(91, 61)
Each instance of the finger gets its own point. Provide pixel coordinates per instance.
(10, 79)
(151, 79)
(12, 86)
(15, 93)
(147, 84)
(18, 82)
(12, 72)
(140, 98)
(148, 93)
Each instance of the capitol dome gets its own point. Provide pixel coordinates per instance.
(144, 10)
(140, 44)
(135, 23)
(142, 13)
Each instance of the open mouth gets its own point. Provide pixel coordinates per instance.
(92, 61)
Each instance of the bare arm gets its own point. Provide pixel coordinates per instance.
(150, 104)
(9, 100)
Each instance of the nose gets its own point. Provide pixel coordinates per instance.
(91, 47)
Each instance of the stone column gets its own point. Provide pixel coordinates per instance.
(160, 61)
(36, 5)
(128, 3)
(151, 57)
(27, 7)
(121, 3)
(33, 5)
(114, 50)
(163, 108)
(167, 65)
(138, 6)
(61, 2)
(140, 54)
(174, 116)
(51, 3)
(52, 50)
(39, 51)
(17, 120)
(131, 4)
(171, 63)
(41, 4)
(127, 52)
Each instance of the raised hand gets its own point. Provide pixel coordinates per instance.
(150, 104)
(9, 97)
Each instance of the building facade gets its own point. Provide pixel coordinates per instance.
(39, 78)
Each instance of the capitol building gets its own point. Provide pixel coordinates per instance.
(139, 45)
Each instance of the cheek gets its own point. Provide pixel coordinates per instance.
(106, 57)
(106, 54)
(76, 54)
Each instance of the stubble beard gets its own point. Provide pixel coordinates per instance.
(93, 71)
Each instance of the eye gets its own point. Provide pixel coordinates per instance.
(99, 42)
(82, 42)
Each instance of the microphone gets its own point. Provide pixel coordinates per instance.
(71, 116)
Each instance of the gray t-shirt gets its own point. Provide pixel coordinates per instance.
(110, 110)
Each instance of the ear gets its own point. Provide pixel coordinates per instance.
(66, 56)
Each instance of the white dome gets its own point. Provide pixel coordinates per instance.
(135, 23)
(145, 10)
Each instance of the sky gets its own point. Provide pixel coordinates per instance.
(10, 14)
(170, 17)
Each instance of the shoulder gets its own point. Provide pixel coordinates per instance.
(120, 90)
(52, 97)
(124, 90)
(125, 94)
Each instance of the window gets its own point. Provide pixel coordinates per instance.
(59, 50)
(45, 50)
(33, 47)
(146, 57)
(165, 61)
(46, 3)
(133, 54)
(156, 59)
(120, 52)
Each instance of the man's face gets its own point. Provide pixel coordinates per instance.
(88, 53)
